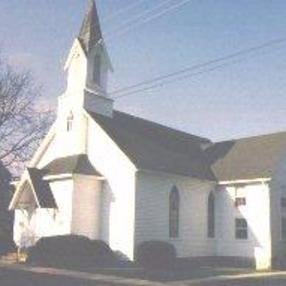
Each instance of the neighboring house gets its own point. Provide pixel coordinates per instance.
(111, 176)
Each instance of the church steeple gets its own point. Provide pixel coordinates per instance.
(88, 65)
(90, 32)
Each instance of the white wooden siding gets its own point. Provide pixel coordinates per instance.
(86, 206)
(152, 212)
(118, 192)
(257, 214)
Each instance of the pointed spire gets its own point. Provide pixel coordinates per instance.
(90, 32)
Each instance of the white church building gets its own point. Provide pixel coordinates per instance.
(108, 175)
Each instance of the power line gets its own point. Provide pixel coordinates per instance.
(178, 79)
(137, 17)
(130, 89)
(110, 18)
(135, 21)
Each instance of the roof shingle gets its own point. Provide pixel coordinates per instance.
(76, 164)
(247, 158)
(42, 188)
(90, 32)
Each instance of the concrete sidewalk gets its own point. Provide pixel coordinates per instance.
(222, 278)
(116, 280)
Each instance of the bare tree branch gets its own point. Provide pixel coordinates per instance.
(22, 124)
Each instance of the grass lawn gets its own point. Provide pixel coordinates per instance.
(173, 275)
(183, 270)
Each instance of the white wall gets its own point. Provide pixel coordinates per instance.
(118, 193)
(86, 206)
(152, 212)
(63, 193)
(66, 143)
(76, 67)
(256, 212)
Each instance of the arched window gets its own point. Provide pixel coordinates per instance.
(174, 209)
(211, 215)
(97, 69)
(69, 122)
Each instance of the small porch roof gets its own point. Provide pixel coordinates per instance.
(76, 164)
(32, 182)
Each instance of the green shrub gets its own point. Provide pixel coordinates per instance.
(102, 253)
(70, 251)
(156, 254)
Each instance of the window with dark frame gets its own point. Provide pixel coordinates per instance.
(283, 204)
(241, 228)
(97, 69)
(283, 228)
(283, 218)
(240, 201)
(211, 215)
(174, 209)
(70, 122)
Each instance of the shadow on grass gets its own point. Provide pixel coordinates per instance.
(183, 269)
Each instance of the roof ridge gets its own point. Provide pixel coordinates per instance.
(251, 137)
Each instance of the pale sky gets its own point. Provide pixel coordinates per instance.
(243, 99)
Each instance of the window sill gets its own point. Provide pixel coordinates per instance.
(175, 239)
(242, 240)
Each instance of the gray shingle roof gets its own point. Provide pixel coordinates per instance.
(77, 164)
(247, 158)
(42, 188)
(155, 147)
(90, 32)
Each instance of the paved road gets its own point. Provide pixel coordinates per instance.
(21, 278)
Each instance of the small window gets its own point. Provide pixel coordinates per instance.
(283, 228)
(96, 69)
(241, 229)
(240, 201)
(174, 206)
(69, 122)
(283, 204)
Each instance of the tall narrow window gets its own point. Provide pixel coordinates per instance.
(211, 215)
(283, 218)
(241, 228)
(283, 228)
(69, 122)
(96, 69)
(174, 209)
